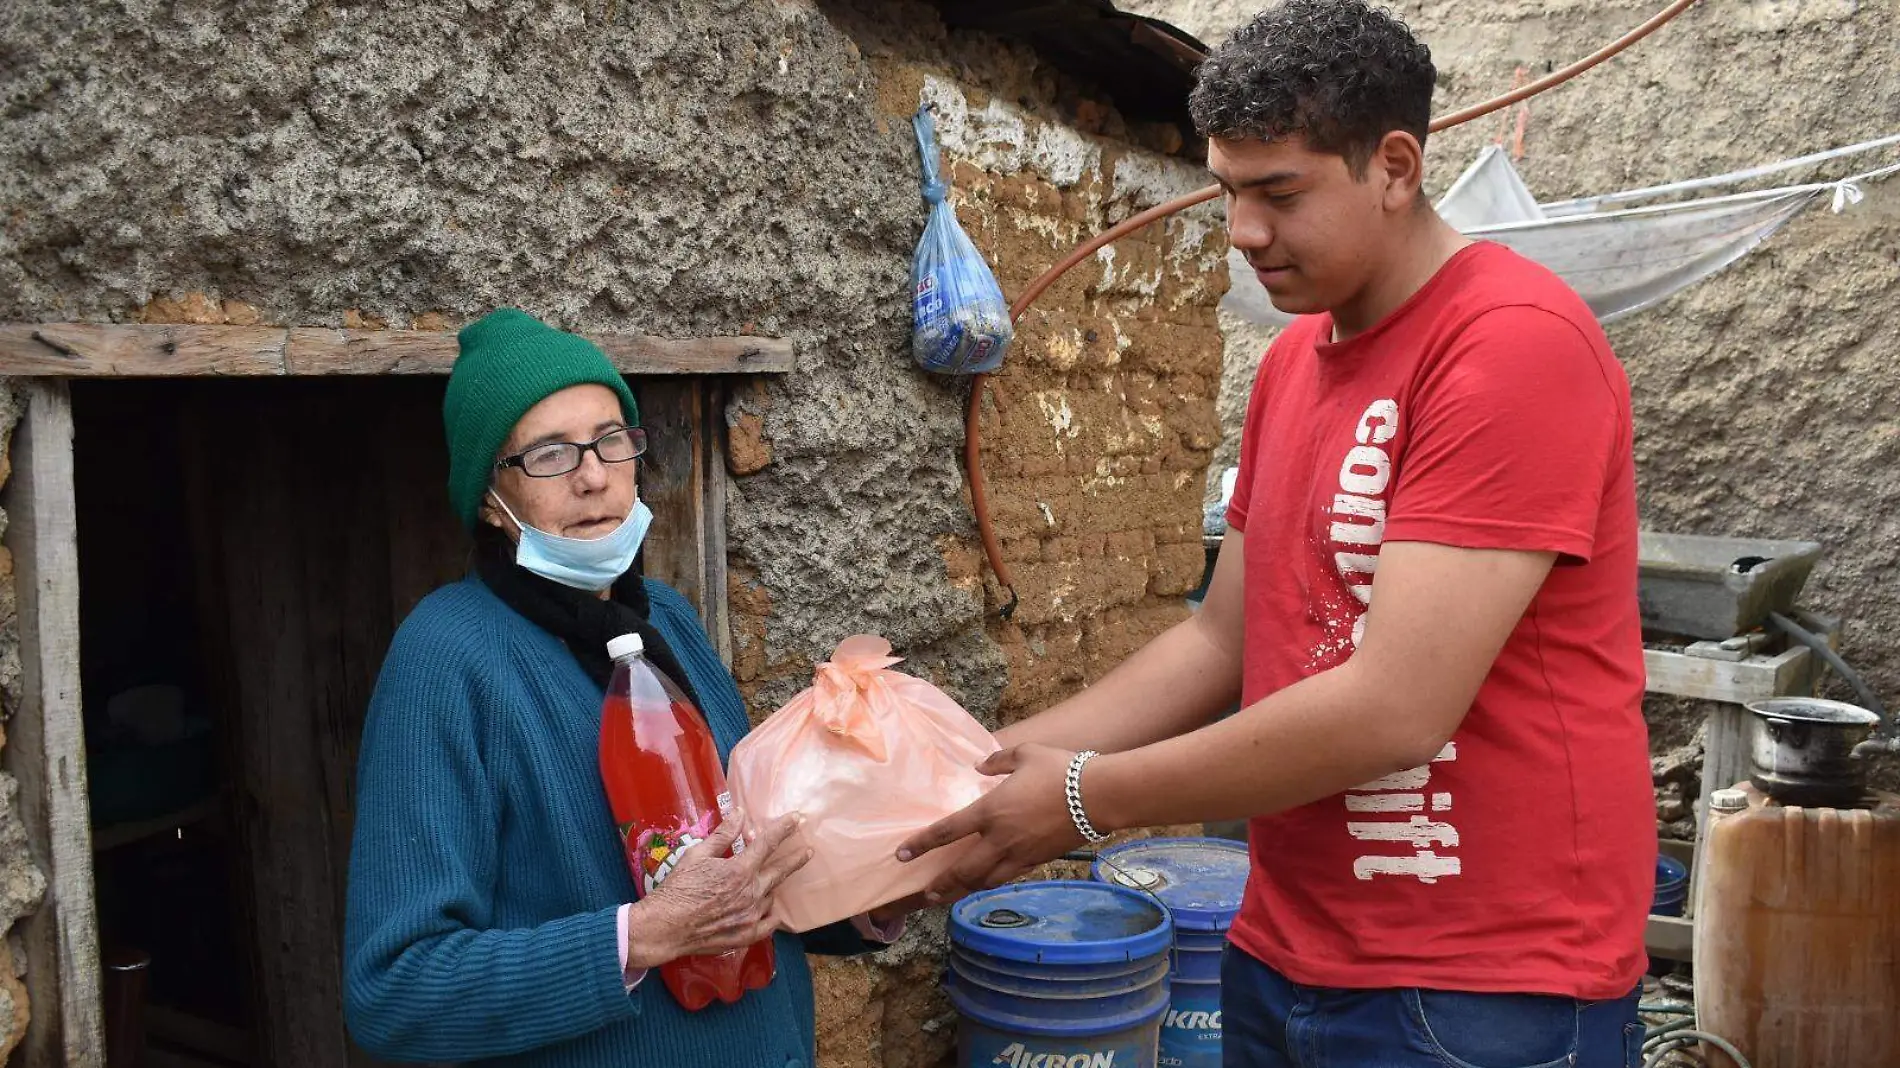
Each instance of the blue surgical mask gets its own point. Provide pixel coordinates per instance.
(590, 564)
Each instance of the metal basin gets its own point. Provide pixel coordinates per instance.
(1802, 749)
(1705, 587)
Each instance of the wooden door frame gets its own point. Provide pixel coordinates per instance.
(682, 394)
(46, 737)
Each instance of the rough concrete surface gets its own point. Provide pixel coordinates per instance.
(1765, 396)
(21, 888)
(676, 168)
(683, 169)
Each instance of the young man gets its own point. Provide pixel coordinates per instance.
(1425, 603)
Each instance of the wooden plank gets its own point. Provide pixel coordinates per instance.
(301, 607)
(642, 354)
(427, 546)
(345, 594)
(1725, 759)
(713, 610)
(316, 351)
(672, 482)
(1670, 937)
(683, 479)
(1735, 682)
(208, 474)
(198, 429)
(84, 350)
(46, 743)
(88, 349)
(1725, 762)
(279, 671)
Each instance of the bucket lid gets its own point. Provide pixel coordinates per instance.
(1062, 921)
(1671, 874)
(1200, 880)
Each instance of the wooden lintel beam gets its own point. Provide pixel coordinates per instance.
(89, 350)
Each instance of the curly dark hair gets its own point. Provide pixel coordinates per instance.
(1340, 73)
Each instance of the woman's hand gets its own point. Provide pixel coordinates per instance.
(712, 903)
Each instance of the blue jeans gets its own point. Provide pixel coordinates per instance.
(1269, 1021)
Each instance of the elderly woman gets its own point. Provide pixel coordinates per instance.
(491, 914)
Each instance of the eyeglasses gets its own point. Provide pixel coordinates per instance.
(559, 457)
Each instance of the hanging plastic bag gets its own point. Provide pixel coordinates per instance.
(960, 320)
(869, 756)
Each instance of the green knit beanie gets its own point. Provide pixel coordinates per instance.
(509, 362)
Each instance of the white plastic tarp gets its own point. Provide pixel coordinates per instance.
(1488, 193)
(1620, 261)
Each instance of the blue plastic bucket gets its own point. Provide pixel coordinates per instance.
(1672, 887)
(1672, 890)
(1059, 974)
(1200, 881)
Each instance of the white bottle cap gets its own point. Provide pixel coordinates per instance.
(1728, 800)
(625, 646)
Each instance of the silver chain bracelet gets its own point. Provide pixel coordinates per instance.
(1072, 789)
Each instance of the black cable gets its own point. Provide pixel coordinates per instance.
(1826, 652)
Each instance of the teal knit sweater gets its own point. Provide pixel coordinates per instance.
(485, 873)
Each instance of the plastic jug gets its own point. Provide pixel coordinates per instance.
(1797, 935)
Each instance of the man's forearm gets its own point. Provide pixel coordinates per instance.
(1174, 684)
(1314, 739)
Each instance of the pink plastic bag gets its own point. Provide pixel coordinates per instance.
(869, 756)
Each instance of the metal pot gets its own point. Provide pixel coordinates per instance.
(1802, 749)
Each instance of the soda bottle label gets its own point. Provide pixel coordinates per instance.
(725, 813)
(655, 851)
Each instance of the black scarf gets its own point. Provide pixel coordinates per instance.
(581, 620)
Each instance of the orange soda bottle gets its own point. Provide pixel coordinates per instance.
(664, 783)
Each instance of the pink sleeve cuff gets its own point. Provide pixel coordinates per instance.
(872, 933)
(628, 978)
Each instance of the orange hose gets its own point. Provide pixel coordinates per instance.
(980, 494)
(1558, 77)
(972, 441)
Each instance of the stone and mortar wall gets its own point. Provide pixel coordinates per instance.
(1095, 442)
(21, 883)
(1765, 396)
(677, 168)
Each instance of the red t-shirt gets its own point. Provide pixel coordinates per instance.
(1487, 411)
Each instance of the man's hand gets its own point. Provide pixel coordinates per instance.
(1022, 822)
